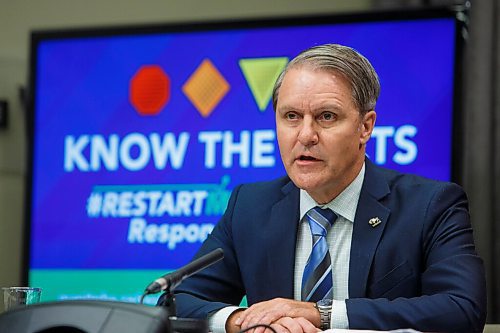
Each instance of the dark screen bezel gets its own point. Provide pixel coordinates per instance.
(40, 36)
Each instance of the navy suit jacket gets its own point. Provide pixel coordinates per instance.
(417, 269)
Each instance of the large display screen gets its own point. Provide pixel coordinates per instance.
(140, 134)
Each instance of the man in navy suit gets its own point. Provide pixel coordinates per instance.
(398, 249)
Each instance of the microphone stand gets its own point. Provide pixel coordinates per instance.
(170, 303)
(170, 281)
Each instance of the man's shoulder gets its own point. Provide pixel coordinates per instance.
(275, 187)
(407, 182)
(258, 198)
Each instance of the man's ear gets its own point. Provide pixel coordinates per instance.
(366, 126)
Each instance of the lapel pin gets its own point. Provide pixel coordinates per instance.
(374, 221)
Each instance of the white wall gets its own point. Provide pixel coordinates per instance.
(19, 17)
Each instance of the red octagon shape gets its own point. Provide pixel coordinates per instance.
(149, 90)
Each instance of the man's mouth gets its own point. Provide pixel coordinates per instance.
(307, 158)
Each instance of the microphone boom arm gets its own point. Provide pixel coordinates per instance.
(170, 281)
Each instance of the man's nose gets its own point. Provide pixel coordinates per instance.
(308, 134)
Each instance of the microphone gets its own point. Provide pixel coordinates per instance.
(172, 280)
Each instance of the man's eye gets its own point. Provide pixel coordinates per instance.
(327, 116)
(291, 116)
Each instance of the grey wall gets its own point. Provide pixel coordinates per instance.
(19, 17)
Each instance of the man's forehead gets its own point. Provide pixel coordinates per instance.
(319, 103)
(310, 68)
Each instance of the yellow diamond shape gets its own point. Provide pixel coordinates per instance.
(205, 88)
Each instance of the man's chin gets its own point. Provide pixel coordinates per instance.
(316, 187)
(308, 185)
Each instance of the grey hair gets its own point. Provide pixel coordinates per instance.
(355, 68)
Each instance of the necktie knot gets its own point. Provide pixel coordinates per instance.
(320, 220)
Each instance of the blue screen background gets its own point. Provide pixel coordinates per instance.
(82, 88)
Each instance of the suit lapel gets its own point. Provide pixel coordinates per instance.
(284, 220)
(282, 236)
(366, 235)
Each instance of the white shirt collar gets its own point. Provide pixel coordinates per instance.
(344, 204)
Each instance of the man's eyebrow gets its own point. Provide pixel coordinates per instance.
(287, 107)
(329, 107)
(321, 108)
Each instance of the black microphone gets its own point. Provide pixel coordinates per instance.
(172, 280)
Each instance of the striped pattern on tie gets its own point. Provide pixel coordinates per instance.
(317, 278)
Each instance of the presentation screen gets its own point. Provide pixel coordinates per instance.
(139, 134)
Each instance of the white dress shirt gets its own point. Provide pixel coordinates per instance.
(339, 242)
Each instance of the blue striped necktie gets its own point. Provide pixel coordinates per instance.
(317, 279)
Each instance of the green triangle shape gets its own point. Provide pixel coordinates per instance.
(261, 74)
